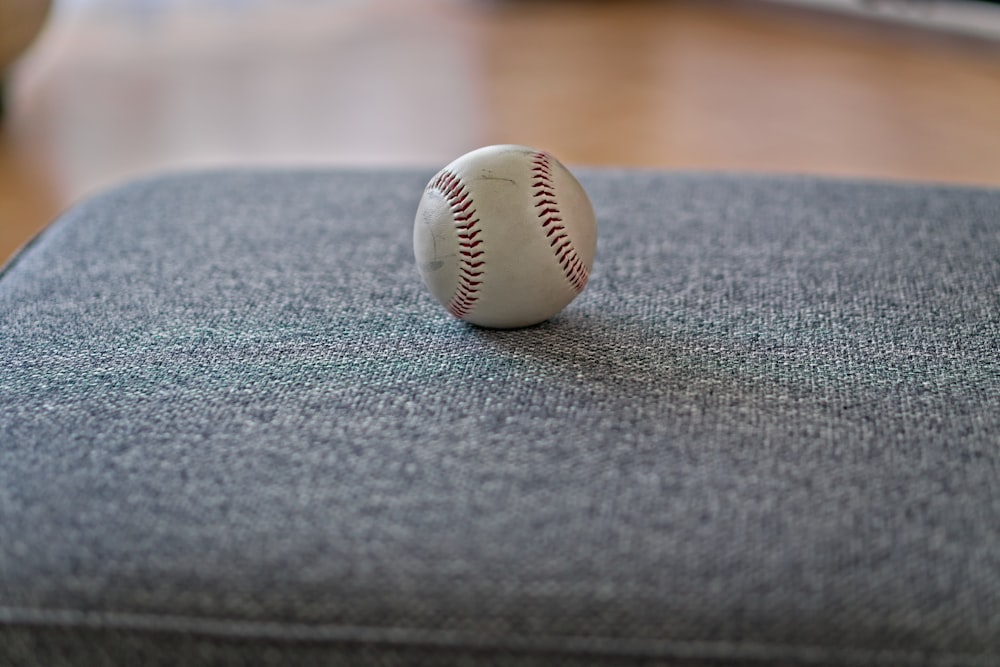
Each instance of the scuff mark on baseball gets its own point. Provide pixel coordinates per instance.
(505, 237)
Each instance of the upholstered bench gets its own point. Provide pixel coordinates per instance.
(236, 429)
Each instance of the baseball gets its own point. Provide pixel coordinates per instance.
(504, 237)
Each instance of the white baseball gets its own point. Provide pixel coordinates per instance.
(504, 237)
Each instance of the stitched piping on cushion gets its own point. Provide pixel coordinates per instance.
(446, 639)
(22, 251)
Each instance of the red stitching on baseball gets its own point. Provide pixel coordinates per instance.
(469, 269)
(544, 195)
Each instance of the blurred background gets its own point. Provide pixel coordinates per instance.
(97, 91)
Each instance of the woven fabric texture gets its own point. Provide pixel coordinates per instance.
(235, 428)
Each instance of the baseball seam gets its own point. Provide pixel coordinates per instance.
(544, 195)
(471, 261)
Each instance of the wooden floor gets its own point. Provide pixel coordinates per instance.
(116, 89)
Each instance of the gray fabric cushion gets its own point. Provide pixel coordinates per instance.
(236, 429)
